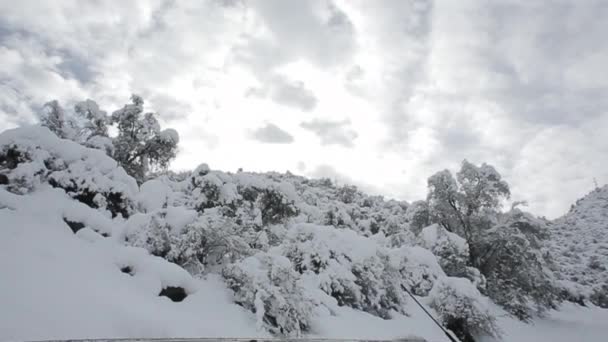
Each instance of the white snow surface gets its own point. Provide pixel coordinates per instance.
(571, 323)
(60, 285)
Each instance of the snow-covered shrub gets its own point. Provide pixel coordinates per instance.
(599, 296)
(418, 267)
(211, 240)
(267, 285)
(462, 308)
(418, 215)
(206, 190)
(451, 250)
(347, 193)
(380, 286)
(149, 231)
(338, 216)
(34, 156)
(275, 206)
(275, 202)
(354, 270)
(313, 252)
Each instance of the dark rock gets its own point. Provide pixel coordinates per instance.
(175, 293)
(3, 179)
(75, 226)
(127, 269)
(460, 329)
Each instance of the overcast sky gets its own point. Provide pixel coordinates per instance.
(377, 93)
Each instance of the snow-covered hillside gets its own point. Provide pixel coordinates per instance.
(580, 242)
(87, 252)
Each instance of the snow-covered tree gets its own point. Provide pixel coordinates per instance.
(141, 145)
(504, 247)
(93, 130)
(517, 269)
(97, 120)
(468, 206)
(53, 117)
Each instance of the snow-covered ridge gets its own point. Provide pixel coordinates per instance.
(580, 241)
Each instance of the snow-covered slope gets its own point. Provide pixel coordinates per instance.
(87, 253)
(59, 285)
(580, 245)
(75, 239)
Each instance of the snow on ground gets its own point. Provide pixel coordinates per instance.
(350, 323)
(571, 323)
(60, 285)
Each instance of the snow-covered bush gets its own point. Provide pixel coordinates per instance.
(451, 250)
(34, 156)
(418, 267)
(206, 190)
(418, 215)
(599, 296)
(212, 240)
(244, 195)
(267, 285)
(149, 231)
(462, 308)
(380, 284)
(275, 207)
(355, 270)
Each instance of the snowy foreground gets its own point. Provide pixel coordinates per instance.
(570, 323)
(60, 285)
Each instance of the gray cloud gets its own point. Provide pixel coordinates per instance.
(286, 92)
(169, 108)
(315, 31)
(332, 132)
(293, 94)
(272, 134)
